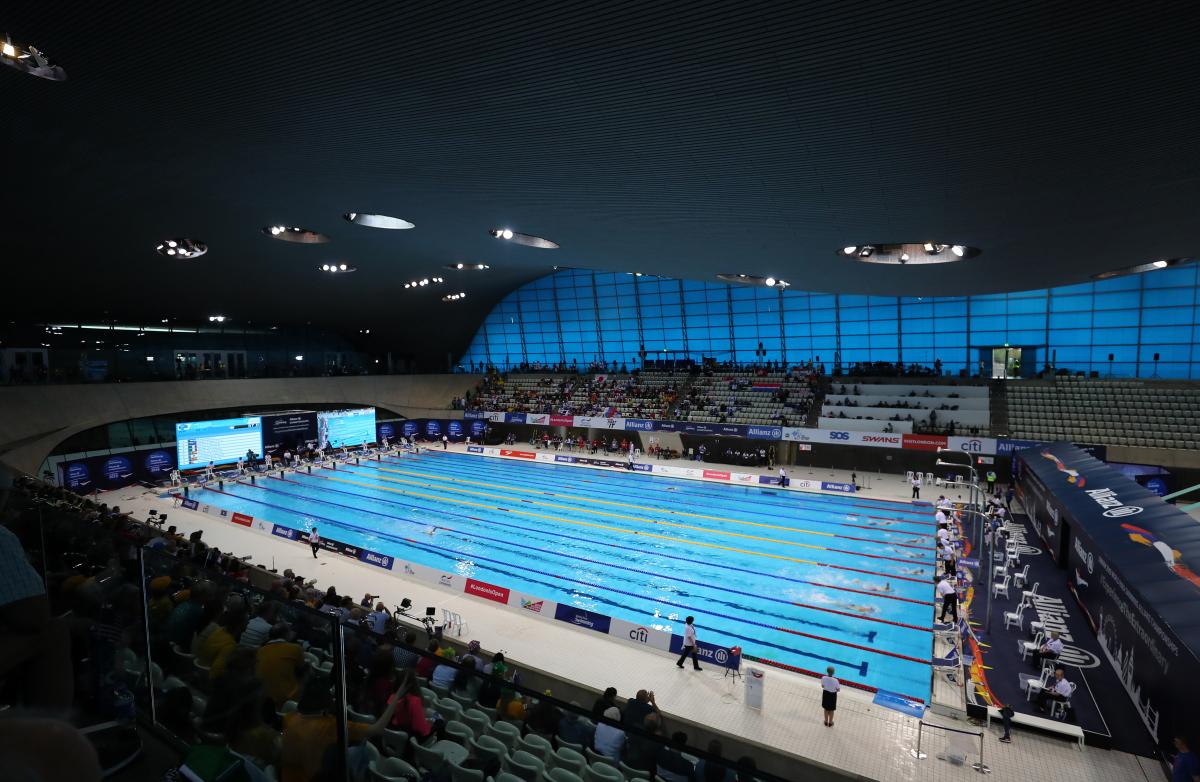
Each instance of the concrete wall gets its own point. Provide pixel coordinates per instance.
(34, 419)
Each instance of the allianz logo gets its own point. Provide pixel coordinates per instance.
(1085, 556)
(1114, 508)
(378, 559)
(756, 431)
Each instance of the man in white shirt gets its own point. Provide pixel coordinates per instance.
(783, 477)
(1059, 689)
(947, 556)
(940, 517)
(1050, 650)
(943, 536)
(689, 644)
(949, 595)
(916, 486)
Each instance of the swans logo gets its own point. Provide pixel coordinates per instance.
(1114, 508)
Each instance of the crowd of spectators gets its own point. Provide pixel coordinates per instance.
(595, 395)
(249, 670)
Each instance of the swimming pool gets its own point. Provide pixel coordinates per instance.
(801, 579)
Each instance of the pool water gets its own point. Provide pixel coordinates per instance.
(795, 578)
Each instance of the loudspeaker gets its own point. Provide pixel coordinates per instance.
(1156, 357)
(1110, 356)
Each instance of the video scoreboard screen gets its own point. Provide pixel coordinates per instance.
(220, 442)
(336, 428)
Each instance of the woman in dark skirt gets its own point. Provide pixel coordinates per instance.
(829, 690)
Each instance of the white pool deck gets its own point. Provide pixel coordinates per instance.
(868, 742)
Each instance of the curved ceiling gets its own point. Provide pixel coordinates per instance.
(679, 139)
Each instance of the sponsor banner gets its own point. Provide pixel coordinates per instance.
(1006, 446)
(565, 459)
(243, 519)
(514, 418)
(286, 431)
(616, 424)
(474, 449)
(529, 604)
(984, 446)
(874, 439)
(158, 464)
(845, 488)
(386, 430)
(454, 428)
(923, 442)
(743, 477)
(190, 504)
(769, 480)
(76, 476)
(545, 457)
(581, 617)
(474, 414)
(764, 432)
(709, 654)
(498, 418)
(373, 558)
(517, 454)
(639, 467)
(410, 428)
(284, 532)
(717, 475)
(538, 419)
(639, 634)
(433, 429)
(497, 594)
(798, 434)
(639, 425)
(562, 420)
(478, 428)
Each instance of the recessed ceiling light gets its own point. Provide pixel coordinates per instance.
(458, 267)
(1141, 268)
(28, 59)
(769, 282)
(454, 296)
(851, 250)
(293, 234)
(378, 221)
(182, 248)
(529, 240)
(909, 253)
(338, 268)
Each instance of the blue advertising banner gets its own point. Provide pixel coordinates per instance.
(764, 432)
(847, 488)
(640, 425)
(708, 653)
(1134, 567)
(454, 429)
(158, 463)
(285, 532)
(378, 560)
(190, 504)
(469, 414)
(475, 449)
(385, 430)
(287, 431)
(433, 429)
(478, 427)
(581, 617)
(514, 418)
(115, 472)
(565, 459)
(1006, 447)
(409, 429)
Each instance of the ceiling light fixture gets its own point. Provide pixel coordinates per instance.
(338, 268)
(378, 221)
(769, 282)
(1141, 268)
(909, 253)
(851, 250)
(958, 250)
(866, 251)
(216, 318)
(460, 266)
(182, 248)
(529, 240)
(294, 234)
(454, 296)
(28, 59)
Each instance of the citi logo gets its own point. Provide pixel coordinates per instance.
(973, 446)
(639, 634)
(1114, 508)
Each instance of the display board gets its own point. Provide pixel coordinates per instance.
(221, 442)
(336, 428)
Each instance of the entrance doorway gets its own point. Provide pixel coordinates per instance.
(1006, 363)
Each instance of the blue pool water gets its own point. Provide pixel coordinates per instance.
(790, 577)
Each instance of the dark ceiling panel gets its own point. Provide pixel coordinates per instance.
(682, 139)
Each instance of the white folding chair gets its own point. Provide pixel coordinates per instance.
(1026, 648)
(1058, 709)
(908, 476)
(928, 479)
(1017, 617)
(1028, 594)
(1020, 578)
(1001, 587)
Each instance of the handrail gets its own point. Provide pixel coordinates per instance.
(1182, 492)
(981, 767)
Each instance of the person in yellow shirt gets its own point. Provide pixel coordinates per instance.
(279, 665)
(310, 732)
(215, 649)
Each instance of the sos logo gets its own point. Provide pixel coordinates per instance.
(839, 435)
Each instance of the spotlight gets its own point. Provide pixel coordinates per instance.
(324, 267)
(851, 250)
(458, 265)
(903, 257)
(506, 233)
(770, 282)
(1160, 264)
(481, 266)
(9, 49)
(342, 267)
(275, 230)
(933, 248)
(865, 251)
(171, 243)
(299, 358)
(170, 252)
(958, 250)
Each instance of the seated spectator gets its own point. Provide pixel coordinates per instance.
(542, 717)
(1059, 689)
(189, 615)
(511, 706)
(609, 740)
(380, 683)
(444, 673)
(642, 705)
(609, 698)
(409, 711)
(642, 751)
(159, 605)
(671, 765)
(279, 664)
(258, 629)
(493, 685)
(428, 662)
(465, 679)
(573, 729)
(1050, 650)
(311, 730)
(215, 649)
(403, 655)
(708, 771)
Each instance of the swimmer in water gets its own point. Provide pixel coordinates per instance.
(887, 587)
(431, 530)
(910, 571)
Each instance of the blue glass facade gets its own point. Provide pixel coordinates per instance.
(584, 316)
